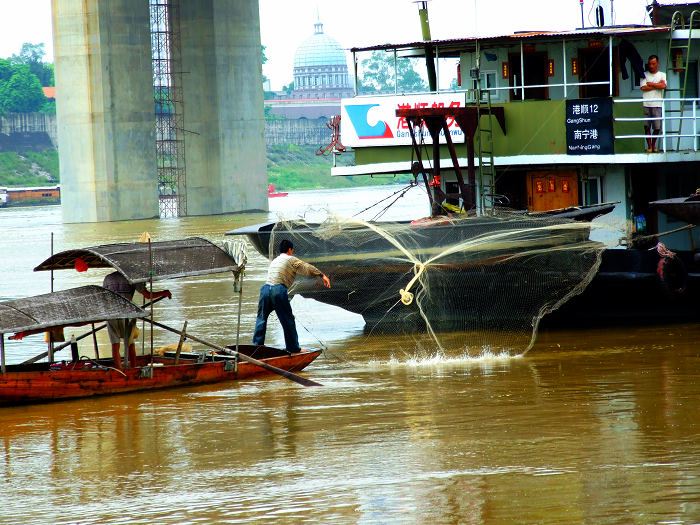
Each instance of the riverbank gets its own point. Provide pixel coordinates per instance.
(289, 167)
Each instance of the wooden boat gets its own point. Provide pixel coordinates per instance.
(272, 193)
(685, 209)
(40, 382)
(81, 376)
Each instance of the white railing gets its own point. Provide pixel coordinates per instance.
(678, 132)
(517, 87)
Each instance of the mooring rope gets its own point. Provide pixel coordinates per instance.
(402, 191)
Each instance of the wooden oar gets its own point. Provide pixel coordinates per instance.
(284, 373)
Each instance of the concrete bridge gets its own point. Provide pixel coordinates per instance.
(105, 108)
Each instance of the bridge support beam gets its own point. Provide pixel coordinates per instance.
(223, 104)
(105, 110)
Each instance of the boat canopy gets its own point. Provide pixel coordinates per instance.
(170, 259)
(73, 307)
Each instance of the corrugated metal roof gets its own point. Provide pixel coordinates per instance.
(73, 307)
(170, 259)
(540, 35)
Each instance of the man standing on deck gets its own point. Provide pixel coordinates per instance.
(653, 86)
(273, 295)
(119, 329)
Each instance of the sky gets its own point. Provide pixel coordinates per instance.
(285, 24)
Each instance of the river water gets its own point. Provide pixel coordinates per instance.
(594, 426)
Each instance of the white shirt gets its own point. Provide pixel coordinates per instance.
(653, 93)
(284, 268)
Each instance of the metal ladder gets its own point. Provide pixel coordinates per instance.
(678, 22)
(487, 168)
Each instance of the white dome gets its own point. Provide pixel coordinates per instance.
(319, 50)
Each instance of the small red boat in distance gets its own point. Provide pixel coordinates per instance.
(272, 193)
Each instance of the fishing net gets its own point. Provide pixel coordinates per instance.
(446, 285)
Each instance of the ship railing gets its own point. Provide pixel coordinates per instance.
(470, 94)
(679, 132)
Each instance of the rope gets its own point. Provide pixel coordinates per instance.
(404, 190)
(326, 352)
(406, 296)
(97, 364)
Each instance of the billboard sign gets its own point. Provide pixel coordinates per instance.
(372, 121)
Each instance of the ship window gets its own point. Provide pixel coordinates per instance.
(535, 69)
(591, 191)
(488, 81)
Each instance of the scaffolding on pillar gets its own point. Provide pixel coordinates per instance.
(169, 107)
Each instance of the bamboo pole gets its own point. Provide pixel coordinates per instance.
(150, 283)
(179, 344)
(94, 342)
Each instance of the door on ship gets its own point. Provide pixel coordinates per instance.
(595, 67)
(551, 190)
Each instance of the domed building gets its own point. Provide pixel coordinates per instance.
(321, 79)
(320, 68)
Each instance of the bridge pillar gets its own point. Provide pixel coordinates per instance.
(105, 110)
(223, 104)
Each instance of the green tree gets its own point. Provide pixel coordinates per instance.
(379, 74)
(22, 93)
(289, 88)
(32, 55)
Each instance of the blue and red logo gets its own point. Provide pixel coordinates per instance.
(358, 118)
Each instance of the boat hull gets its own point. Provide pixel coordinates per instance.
(25, 384)
(627, 287)
(681, 208)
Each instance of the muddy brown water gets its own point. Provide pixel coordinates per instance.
(594, 426)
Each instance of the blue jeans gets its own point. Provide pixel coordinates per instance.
(276, 298)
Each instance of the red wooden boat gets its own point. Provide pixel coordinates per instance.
(81, 376)
(272, 193)
(40, 382)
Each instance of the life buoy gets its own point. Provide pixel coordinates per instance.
(672, 274)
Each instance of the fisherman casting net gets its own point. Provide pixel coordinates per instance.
(449, 285)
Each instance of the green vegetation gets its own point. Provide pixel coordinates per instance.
(31, 168)
(291, 167)
(21, 79)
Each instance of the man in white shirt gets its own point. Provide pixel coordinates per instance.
(653, 86)
(273, 295)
